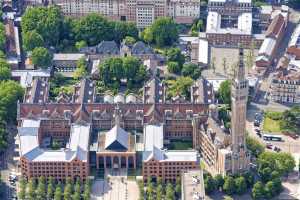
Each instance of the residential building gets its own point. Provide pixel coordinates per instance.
(294, 44)
(142, 12)
(229, 23)
(285, 85)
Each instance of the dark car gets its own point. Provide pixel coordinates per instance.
(258, 134)
(277, 149)
(257, 123)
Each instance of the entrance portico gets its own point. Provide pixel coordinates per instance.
(116, 150)
(116, 160)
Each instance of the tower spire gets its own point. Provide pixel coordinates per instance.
(239, 94)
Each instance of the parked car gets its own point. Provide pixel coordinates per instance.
(277, 149)
(256, 123)
(269, 145)
(258, 134)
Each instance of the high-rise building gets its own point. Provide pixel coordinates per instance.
(239, 94)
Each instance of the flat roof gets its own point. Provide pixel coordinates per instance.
(68, 56)
(295, 39)
(77, 146)
(213, 24)
(27, 76)
(181, 155)
(203, 51)
(267, 47)
(153, 137)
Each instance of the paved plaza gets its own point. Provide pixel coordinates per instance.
(115, 186)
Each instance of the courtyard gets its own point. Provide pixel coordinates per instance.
(115, 186)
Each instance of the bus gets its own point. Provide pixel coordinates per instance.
(272, 137)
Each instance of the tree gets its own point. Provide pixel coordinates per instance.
(225, 92)
(159, 191)
(123, 29)
(92, 28)
(209, 184)
(22, 191)
(87, 190)
(80, 44)
(58, 193)
(129, 40)
(170, 195)
(281, 162)
(81, 70)
(191, 70)
(32, 39)
(147, 35)
(141, 189)
(46, 21)
(41, 189)
(10, 93)
(164, 31)
(5, 72)
(41, 57)
(179, 87)
(270, 190)
(67, 191)
(50, 188)
(150, 190)
(265, 174)
(219, 181)
(175, 55)
(173, 67)
(240, 185)
(229, 185)
(2, 36)
(178, 186)
(249, 177)
(290, 120)
(254, 146)
(258, 191)
(31, 189)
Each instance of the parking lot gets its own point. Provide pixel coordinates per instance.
(288, 144)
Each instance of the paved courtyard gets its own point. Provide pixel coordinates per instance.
(115, 186)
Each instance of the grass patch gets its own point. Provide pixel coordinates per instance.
(181, 145)
(271, 126)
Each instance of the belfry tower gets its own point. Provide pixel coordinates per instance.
(239, 94)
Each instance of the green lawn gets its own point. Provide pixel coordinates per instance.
(271, 126)
(181, 145)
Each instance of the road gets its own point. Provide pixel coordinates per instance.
(9, 164)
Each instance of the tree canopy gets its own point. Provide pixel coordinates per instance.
(113, 70)
(2, 36)
(46, 21)
(179, 87)
(163, 32)
(225, 92)
(191, 70)
(41, 57)
(5, 72)
(32, 39)
(10, 93)
(254, 146)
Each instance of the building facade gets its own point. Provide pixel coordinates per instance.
(142, 12)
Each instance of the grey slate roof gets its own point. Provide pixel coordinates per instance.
(141, 48)
(108, 47)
